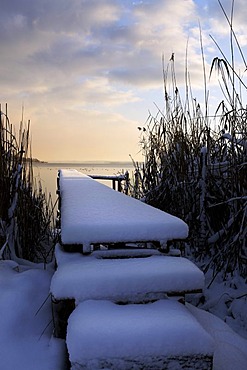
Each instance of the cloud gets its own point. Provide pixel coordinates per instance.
(60, 57)
(215, 20)
(92, 37)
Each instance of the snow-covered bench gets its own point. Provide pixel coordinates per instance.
(159, 335)
(121, 276)
(112, 306)
(92, 213)
(103, 275)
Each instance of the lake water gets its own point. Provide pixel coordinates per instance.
(46, 173)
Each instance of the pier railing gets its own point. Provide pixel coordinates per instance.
(117, 181)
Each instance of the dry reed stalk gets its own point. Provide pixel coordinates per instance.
(25, 213)
(197, 173)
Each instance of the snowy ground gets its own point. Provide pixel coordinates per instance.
(26, 341)
(25, 323)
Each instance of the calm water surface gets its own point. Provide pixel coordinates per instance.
(46, 173)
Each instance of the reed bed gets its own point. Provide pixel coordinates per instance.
(197, 172)
(26, 213)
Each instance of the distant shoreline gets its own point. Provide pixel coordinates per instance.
(35, 160)
(85, 162)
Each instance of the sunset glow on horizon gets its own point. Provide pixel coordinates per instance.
(88, 72)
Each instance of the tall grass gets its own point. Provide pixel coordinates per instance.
(26, 214)
(199, 173)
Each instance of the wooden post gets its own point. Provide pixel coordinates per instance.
(119, 185)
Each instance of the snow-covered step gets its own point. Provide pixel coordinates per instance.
(140, 279)
(93, 213)
(159, 335)
(138, 276)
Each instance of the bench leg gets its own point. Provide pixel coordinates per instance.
(86, 249)
(61, 310)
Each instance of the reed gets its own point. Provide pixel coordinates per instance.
(26, 214)
(199, 173)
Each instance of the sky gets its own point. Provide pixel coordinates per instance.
(87, 73)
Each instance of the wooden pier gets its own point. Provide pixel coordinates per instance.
(92, 214)
(114, 269)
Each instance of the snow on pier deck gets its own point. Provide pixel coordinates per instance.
(93, 213)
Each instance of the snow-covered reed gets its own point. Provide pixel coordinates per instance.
(196, 171)
(25, 211)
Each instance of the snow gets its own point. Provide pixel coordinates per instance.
(26, 343)
(93, 213)
(230, 349)
(162, 327)
(227, 298)
(103, 330)
(134, 279)
(23, 320)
